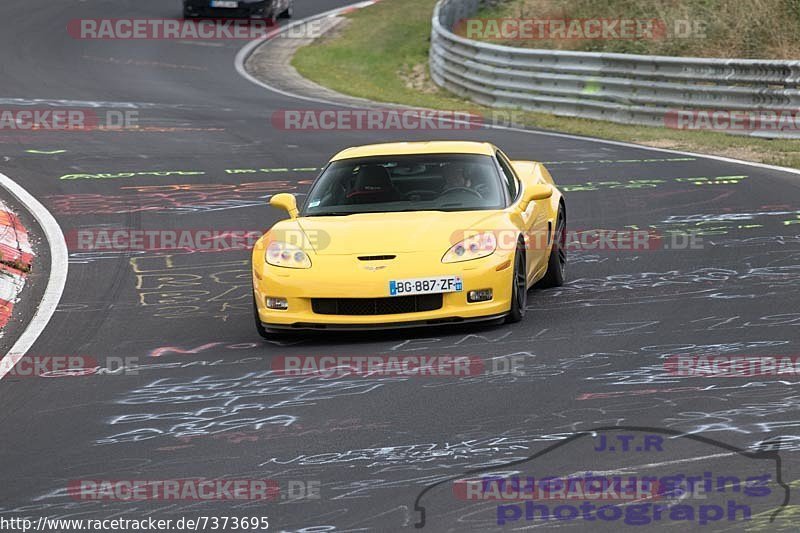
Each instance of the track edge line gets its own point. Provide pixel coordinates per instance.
(59, 268)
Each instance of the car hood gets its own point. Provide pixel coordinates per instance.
(392, 233)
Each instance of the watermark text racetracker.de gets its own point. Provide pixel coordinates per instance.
(61, 366)
(138, 29)
(195, 240)
(733, 366)
(326, 120)
(410, 366)
(588, 487)
(32, 366)
(617, 240)
(733, 120)
(135, 490)
(67, 119)
(578, 29)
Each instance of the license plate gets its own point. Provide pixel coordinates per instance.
(406, 287)
(225, 3)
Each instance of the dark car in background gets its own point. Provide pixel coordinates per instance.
(262, 9)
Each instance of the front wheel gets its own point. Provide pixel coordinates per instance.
(557, 264)
(519, 289)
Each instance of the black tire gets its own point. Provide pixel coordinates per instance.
(186, 14)
(557, 264)
(519, 288)
(259, 326)
(289, 12)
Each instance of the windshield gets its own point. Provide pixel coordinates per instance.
(390, 184)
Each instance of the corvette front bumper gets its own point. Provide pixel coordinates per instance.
(245, 9)
(348, 278)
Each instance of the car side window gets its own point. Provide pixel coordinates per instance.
(508, 176)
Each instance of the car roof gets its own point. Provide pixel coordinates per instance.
(411, 148)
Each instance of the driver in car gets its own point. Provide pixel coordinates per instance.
(455, 177)
(455, 180)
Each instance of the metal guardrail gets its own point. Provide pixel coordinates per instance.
(623, 88)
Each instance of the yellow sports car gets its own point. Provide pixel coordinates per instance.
(411, 234)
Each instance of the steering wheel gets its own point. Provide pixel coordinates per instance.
(461, 189)
(421, 194)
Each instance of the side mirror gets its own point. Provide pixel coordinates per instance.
(533, 193)
(285, 201)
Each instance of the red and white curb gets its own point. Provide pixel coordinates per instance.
(16, 258)
(58, 271)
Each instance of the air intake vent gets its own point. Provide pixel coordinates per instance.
(376, 257)
(377, 306)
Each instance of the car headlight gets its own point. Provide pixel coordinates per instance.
(475, 247)
(282, 254)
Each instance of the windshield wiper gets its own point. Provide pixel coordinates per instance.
(413, 210)
(347, 213)
(330, 214)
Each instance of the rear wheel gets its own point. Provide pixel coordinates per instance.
(289, 12)
(557, 264)
(519, 288)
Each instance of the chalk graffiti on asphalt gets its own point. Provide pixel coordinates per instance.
(211, 405)
(180, 198)
(193, 285)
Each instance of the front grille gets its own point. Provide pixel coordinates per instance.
(204, 9)
(223, 13)
(376, 257)
(376, 306)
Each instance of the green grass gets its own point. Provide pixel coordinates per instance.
(369, 58)
(758, 29)
(382, 55)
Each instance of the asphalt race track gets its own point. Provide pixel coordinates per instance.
(198, 400)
